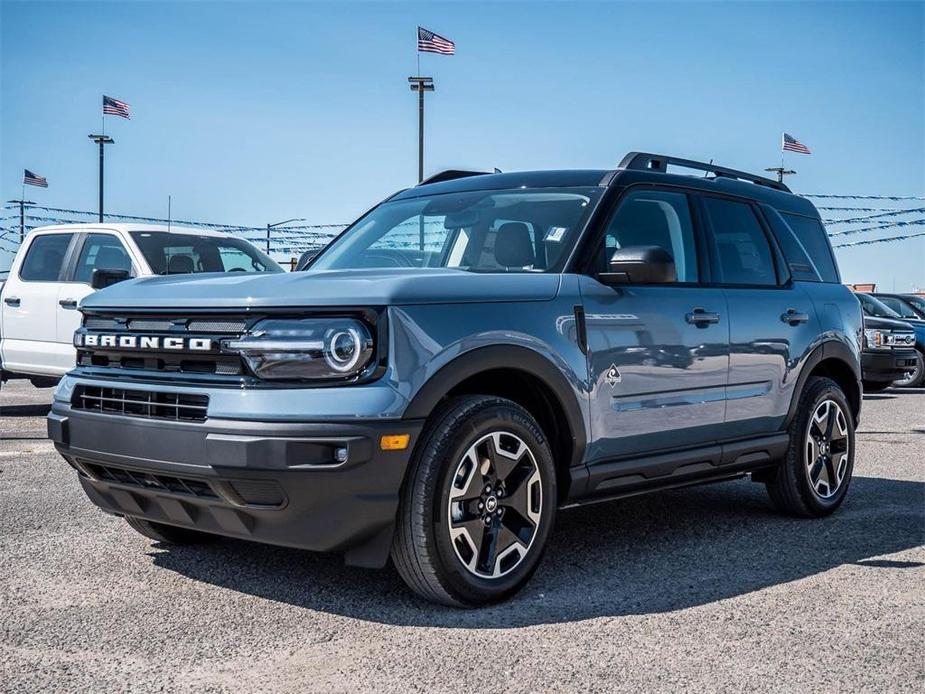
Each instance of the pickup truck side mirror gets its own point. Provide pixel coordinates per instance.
(640, 265)
(102, 278)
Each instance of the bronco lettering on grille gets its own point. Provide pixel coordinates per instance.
(143, 342)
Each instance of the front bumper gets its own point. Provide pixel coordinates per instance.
(271, 482)
(887, 365)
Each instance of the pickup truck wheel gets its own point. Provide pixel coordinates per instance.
(813, 479)
(915, 376)
(168, 534)
(477, 505)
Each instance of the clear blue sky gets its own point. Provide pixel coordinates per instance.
(256, 112)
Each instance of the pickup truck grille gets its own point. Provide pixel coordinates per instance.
(180, 407)
(159, 343)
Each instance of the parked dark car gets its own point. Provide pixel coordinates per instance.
(890, 355)
(905, 307)
(469, 357)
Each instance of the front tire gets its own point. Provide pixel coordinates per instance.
(478, 504)
(914, 377)
(813, 479)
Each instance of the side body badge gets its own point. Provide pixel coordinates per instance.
(613, 376)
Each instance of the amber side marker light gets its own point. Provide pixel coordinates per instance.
(395, 442)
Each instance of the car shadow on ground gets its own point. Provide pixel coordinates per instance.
(39, 410)
(659, 553)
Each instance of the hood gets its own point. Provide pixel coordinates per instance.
(886, 324)
(372, 287)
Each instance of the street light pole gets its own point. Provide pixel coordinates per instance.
(102, 140)
(270, 226)
(421, 85)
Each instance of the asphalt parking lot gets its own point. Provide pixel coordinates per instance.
(703, 588)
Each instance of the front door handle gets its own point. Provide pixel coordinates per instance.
(794, 317)
(12, 301)
(702, 318)
(68, 303)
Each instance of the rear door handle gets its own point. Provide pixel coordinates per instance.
(702, 318)
(68, 303)
(794, 317)
(12, 301)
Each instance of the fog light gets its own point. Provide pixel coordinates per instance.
(340, 455)
(395, 442)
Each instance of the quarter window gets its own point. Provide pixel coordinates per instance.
(814, 239)
(654, 218)
(44, 258)
(103, 251)
(745, 256)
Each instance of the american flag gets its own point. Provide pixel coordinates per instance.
(791, 144)
(114, 107)
(31, 179)
(429, 42)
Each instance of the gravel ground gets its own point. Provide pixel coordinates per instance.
(704, 588)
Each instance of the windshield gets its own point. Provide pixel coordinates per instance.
(482, 231)
(873, 307)
(174, 254)
(918, 303)
(901, 307)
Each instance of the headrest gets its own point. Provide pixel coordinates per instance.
(179, 264)
(513, 246)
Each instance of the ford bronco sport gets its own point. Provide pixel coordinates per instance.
(467, 358)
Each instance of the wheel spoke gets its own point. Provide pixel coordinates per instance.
(504, 461)
(815, 471)
(467, 484)
(831, 415)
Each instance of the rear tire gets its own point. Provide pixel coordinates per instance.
(478, 503)
(168, 534)
(813, 478)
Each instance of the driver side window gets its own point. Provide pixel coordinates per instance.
(653, 218)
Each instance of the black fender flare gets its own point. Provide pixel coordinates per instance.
(829, 349)
(504, 357)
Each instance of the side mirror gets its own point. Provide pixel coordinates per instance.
(640, 265)
(305, 259)
(102, 278)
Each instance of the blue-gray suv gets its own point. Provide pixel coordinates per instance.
(470, 356)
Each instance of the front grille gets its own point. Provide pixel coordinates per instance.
(149, 480)
(210, 328)
(183, 407)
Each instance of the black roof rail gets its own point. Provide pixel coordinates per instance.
(451, 175)
(660, 162)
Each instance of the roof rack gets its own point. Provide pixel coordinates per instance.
(450, 175)
(660, 162)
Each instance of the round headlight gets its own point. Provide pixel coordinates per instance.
(343, 349)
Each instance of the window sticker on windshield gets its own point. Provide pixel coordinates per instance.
(555, 234)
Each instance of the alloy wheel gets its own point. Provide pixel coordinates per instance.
(495, 505)
(826, 448)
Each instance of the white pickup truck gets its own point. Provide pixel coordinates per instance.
(57, 266)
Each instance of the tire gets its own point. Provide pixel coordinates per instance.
(915, 377)
(876, 386)
(820, 452)
(479, 457)
(168, 534)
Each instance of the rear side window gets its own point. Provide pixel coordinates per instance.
(801, 265)
(812, 235)
(745, 256)
(102, 251)
(44, 258)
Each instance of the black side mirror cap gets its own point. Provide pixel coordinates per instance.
(102, 277)
(305, 260)
(640, 265)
